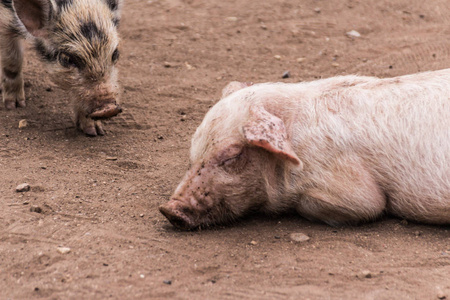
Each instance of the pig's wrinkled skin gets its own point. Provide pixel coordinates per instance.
(78, 41)
(340, 150)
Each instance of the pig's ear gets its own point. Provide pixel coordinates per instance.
(34, 15)
(234, 86)
(268, 132)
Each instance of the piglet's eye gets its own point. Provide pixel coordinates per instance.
(115, 56)
(69, 61)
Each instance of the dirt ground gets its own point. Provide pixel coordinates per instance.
(176, 56)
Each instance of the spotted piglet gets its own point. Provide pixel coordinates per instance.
(78, 40)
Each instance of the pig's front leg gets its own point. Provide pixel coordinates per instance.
(347, 194)
(11, 59)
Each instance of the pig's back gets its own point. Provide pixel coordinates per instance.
(403, 132)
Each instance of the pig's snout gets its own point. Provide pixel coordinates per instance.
(176, 214)
(106, 111)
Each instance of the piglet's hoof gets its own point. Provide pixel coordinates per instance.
(105, 112)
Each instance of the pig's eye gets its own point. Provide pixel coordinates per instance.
(115, 56)
(69, 60)
(234, 164)
(230, 160)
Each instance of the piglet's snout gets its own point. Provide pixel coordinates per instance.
(178, 214)
(106, 111)
(101, 102)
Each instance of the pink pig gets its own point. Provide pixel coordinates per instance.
(340, 150)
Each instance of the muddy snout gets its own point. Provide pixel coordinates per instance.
(177, 215)
(105, 111)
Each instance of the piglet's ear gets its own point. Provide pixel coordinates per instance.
(268, 132)
(234, 86)
(34, 15)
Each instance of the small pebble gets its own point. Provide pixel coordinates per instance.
(63, 250)
(440, 294)
(277, 237)
(111, 158)
(286, 74)
(232, 19)
(24, 187)
(142, 276)
(353, 34)
(169, 282)
(299, 237)
(366, 274)
(141, 215)
(317, 10)
(253, 243)
(301, 59)
(263, 26)
(278, 57)
(335, 64)
(23, 123)
(36, 209)
(168, 64)
(49, 89)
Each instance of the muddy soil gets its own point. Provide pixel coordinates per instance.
(99, 196)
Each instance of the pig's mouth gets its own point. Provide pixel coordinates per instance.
(177, 218)
(185, 218)
(105, 112)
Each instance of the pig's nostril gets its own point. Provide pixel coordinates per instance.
(177, 219)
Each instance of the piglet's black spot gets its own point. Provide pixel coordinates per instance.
(10, 74)
(113, 4)
(7, 4)
(91, 31)
(14, 29)
(64, 4)
(116, 22)
(44, 53)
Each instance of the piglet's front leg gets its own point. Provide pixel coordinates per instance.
(11, 60)
(89, 126)
(349, 194)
